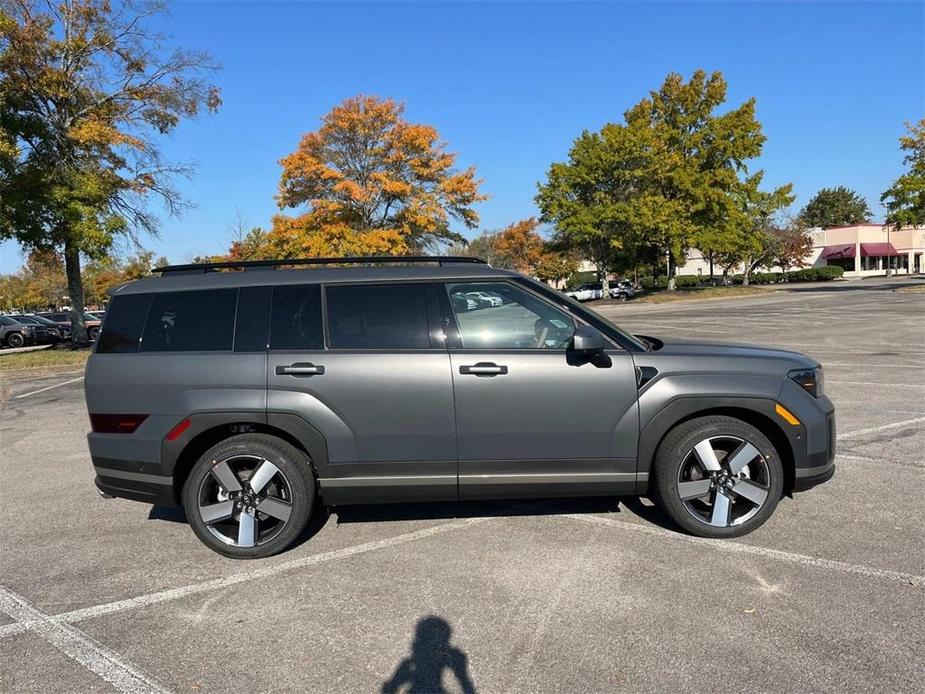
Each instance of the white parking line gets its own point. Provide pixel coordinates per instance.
(42, 390)
(234, 579)
(739, 548)
(884, 427)
(79, 647)
(875, 383)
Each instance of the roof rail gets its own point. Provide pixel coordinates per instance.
(274, 264)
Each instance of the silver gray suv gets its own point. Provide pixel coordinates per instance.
(251, 397)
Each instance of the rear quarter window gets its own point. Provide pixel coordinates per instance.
(191, 321)
(122, 328)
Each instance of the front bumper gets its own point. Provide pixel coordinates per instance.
(814, 445)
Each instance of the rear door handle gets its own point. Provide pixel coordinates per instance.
(301, 369)
(483, 368)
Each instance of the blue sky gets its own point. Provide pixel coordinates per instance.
(510, 85)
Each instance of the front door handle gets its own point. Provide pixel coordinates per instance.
(301, 369)
(483, 368)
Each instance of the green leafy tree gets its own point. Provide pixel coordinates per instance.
(588, 197)
(85, 89)
(905, 200)
(754, 245)
(672, 176)
(832, 207)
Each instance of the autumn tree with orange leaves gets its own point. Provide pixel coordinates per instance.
(368, 182)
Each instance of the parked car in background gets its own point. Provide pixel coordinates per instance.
(586, 292)
(464, 303)
(621, 290)
(485, 299)
(618, 289)
(61, 318)
(54, 332)
(14, 333)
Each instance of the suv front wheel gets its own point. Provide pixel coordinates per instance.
(249, 496)
(718, 477)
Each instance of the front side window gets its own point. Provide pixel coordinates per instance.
(514, 319)
(194, 321)
(378, 316)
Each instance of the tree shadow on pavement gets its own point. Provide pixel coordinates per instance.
(431, 655)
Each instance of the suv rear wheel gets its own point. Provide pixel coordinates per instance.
(249, 496)
(718, 477)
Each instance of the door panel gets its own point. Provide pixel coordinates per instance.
(532, 417)
(381, 394)
(547, 426)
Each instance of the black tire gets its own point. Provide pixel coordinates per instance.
(15, 340)
(93, 333)
(297, 482)
(677, 465)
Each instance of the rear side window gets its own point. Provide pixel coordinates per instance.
(194, 321)
(252, 326)
(124, 322)
(378, 316)
(295, 318)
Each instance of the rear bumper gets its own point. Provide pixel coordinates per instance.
(130, 467)
(148, 492)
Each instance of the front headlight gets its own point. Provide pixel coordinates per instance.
(810, 380)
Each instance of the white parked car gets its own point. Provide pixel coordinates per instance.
(485, 299)
(586, 292)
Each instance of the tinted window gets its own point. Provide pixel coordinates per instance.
(123, 324)
(378, 316)
(6, 321)
(252, 325)
(190, 321)
(519, 321)
(295, 317)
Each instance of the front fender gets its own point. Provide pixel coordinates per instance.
(673, 399)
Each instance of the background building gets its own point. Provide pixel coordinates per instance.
(862, 250)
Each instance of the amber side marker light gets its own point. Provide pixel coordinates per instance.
(786, 415)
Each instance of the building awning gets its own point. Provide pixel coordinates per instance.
(868, 250)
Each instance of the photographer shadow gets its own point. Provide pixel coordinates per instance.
(431, 655)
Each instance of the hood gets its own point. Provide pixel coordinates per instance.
(709, 348)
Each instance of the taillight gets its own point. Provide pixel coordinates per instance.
(116, 423)
(175, 433)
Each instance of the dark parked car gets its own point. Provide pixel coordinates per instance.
(63, 320)
(250, 397)
(16, 333)
(54, 333)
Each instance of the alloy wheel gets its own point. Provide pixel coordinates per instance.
(723, 481)
(245, 500)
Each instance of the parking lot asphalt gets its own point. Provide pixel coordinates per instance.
(588, 595)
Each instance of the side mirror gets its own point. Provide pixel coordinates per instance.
(587, 340)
